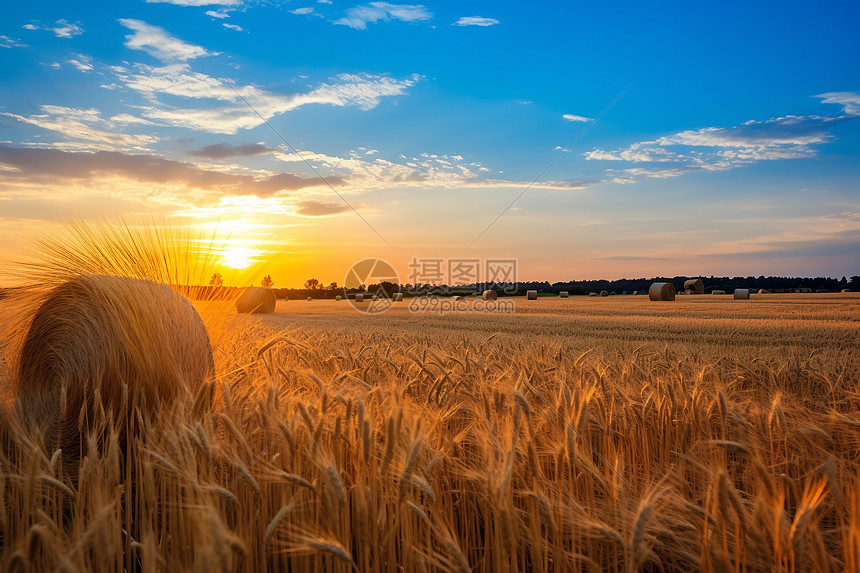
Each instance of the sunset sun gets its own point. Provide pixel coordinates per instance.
(239, 257)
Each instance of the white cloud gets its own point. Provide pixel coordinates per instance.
(721, 148)
(197, 2)
(361, 172)
(79, 124)
(65, 29)
(476, 21)
(233, 27)
(571, 117)
(215, 14)
(159, 43)
(7, 42)
(82, 63)
(849, 101)
(217, 108)
(302, 11)
(359, 16)
(62, 28)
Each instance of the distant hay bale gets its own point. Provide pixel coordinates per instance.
(718, 292)
(489, 295)
(846, 290)
(635, 292)
(742, 293)
(338, 297)
(531, 295)
(662, 291)
(694, 286)
(256, 300)
(101, 350)
(592, 293)
(563, 294)
(359, 298)
(310, 298)
(398, 297)
(604, 293)
(459, 298)
(762, 291)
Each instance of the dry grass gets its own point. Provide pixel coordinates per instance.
(585, 434)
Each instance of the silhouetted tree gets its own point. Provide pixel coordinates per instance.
(332, 286)
(267, 282)
(312, 284)
(216, 280)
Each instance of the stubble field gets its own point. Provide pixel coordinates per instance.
(583, 434)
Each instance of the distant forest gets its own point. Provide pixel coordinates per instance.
(619, 286)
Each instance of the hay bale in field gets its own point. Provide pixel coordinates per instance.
(662, 291)
(256, 300)
(742, 293)
(460, 298)
(635, 292)
(338, 297)
(694, 286)
(531, 295)
(563, 294)
(762, 291)
(359, 298)
(803, 290)
(718, 291)
(310, 298)
(592, 293)
(100, 351)
(604, 293)
(398, 297)
(489, 295)
(846, 290)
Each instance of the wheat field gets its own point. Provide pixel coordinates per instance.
(607, 434)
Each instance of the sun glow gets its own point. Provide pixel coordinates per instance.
(239, 257)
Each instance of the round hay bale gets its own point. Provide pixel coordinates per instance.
(310, 298)
(563, 294)
(742, 293)
(694, 286)
(763, 291)
(846, 290)
(338, 297)
(397, 297)
(460, 298)
(102, 350)
(604, 293)
(592, 293)
(256, 300)
(718, 292)
(635, 292)
(359, 298)
(662, 291)
(531, 295)
(489, 295)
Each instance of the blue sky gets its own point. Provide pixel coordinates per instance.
(734, 149)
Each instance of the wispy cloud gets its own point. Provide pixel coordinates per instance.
(476, 21)
(62, 28)
(233, 27)
(85, 125)
(7, 42)
(722, 148)
(215, 107)
(82, 63)
(217, 14)
(320, 209)
(571, 117)
(157, 42)
(197, 2)
(58, 167)
(360, 16)
(225, 150)
(302, 11)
